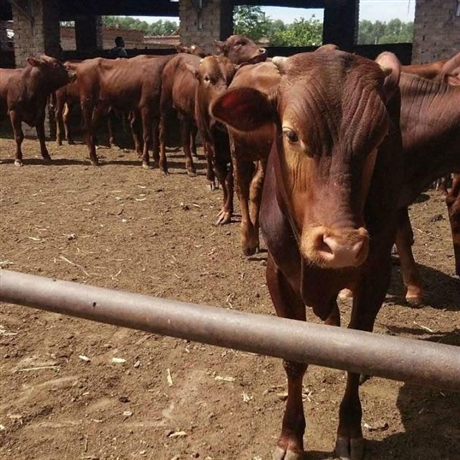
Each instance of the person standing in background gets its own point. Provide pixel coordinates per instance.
(119, 49)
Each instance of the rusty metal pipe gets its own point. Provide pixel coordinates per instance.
(415, 361)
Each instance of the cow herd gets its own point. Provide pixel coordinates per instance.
(326, 150)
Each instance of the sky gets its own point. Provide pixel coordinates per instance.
(373, 10)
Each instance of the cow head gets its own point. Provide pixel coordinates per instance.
(214, 74)
(52, 72)
(241, 50)
(330, 110)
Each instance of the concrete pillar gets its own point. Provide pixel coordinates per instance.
(202, 26)
(88, 33)
(341, 23)
(436, 30)
(36, 29)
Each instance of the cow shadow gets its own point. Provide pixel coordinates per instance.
(431, 420)
(41, 162)
(442, 291)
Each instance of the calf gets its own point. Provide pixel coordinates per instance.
(129, 85)
(24, 93)
(329, 210)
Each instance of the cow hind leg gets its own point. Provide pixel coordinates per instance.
(41, 138)
(187, 129)
(411, 275)
(289, 305)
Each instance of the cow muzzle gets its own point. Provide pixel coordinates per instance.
(335, 248)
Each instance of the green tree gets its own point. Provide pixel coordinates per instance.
(251, 22)
(301, 32)
(375, 33)
(155, 28)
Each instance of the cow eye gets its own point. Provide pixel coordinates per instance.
(206, 78)
(291, 135)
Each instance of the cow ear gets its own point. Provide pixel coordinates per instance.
(391, 68)
(453, 80)
(33, 62)
(244, 109)
(280, 63)
(452, 66)
(220, 46)
(190, 68)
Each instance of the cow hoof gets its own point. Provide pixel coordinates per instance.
(249, 251)
(191, 173)
(95, 162)
(47, 160)
(165, 172)
(147, 166)
(17, 162)
(71, 142)
(281, 454)
(349, 449)
(414, 300)
(223, 218)
(345, 294)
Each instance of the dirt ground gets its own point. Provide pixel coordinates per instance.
(62, 397)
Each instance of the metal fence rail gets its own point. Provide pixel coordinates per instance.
(423, 363)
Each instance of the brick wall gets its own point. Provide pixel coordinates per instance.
(36, 29)
(436, 30)
(201, 28)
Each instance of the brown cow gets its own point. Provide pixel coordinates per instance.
(178, 94)
(430, 125)
(447, 71)
(24, 93)
(214, 74)
(329, 210)
(64, 98)
(178, 90)
(122, 84)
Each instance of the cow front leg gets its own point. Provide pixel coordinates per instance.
(18, 137)
(40, 127)
(255, 197)
(368, 297)
(88, 128)
(225, 176)
(244, 171)
(163, 163)
(410, 273)
(186, 143)
(289, 305)
(147, 137)
(66, 122)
